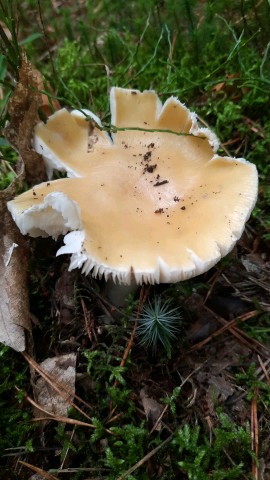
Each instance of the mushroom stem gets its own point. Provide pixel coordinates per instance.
(117, 293)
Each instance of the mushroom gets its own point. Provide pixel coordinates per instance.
(150, 202)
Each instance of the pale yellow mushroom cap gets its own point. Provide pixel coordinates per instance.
(144, 203)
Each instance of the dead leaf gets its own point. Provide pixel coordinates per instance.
(48, 105)
(14, 304)
(62, 368)
(218, 87)
(151, 408)
(64, 296)
(255, 265)
(220, 388)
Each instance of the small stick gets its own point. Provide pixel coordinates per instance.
(159, 418)
(144, 459)
(143, 296)
(228, 326)
(51, 416)
(264, 370)
(37, 470)
(214, 280)
(254, 434)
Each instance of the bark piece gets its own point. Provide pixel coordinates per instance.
(23, 111)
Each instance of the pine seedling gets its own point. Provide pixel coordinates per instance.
(159, 323)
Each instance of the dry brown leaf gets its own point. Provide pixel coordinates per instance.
(61, 368)
(220, 389)
(151, 408)
(48, 106)
(218, 87)
(14, 304)
(64, 297)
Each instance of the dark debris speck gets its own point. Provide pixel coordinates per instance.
(150, 168)
(163, 182)
(147, 155)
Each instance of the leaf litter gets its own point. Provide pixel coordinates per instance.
(14, 303)
(62, 368)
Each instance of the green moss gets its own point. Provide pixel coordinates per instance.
(15, 428)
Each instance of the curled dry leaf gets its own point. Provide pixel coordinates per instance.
(62, 368)
(219, 390)
(14, 308)
(48, 104)
(151, 408)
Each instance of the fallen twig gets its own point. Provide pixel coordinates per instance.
(143, 296)
(249, 342)
(144, 459)
(38, 470)
(254, 434)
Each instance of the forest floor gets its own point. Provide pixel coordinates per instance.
(85, 398)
